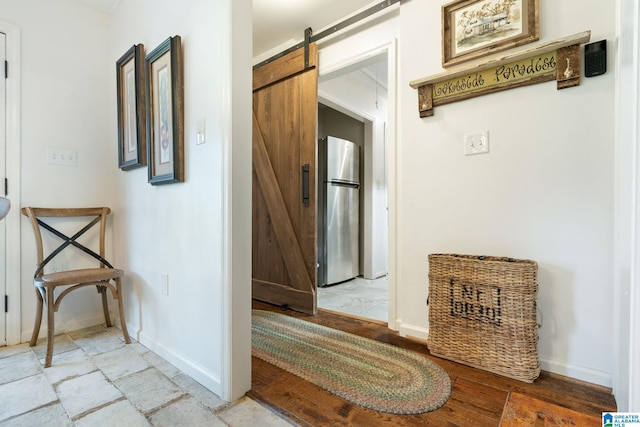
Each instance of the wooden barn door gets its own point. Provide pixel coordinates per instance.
(285, 102)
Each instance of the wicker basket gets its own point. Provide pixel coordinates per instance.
(482, 313)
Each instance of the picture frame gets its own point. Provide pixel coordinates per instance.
(475, 28)
(130, 84)
(165, 112)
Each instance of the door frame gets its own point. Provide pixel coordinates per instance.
(626, 374)
(13, 120)
(390, 48)
(3, 162)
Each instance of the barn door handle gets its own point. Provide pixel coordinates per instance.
(305, 184)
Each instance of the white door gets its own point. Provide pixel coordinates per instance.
(3, 168)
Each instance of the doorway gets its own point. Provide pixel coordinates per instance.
(11, 163)
(353, 105)
(375, 71)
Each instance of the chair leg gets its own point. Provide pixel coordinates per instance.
(105, 306)
(123, 324)
(38, 322)
(51, 308)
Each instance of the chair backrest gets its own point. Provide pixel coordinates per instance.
(95, 216)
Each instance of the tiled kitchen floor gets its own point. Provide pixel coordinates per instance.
(97, 380)
(360, 297)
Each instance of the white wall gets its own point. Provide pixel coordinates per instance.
(185, 230)
(63, 95)
(179, 229)
(544, 192)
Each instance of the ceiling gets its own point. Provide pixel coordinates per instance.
(106, 6)
(277, 22)
(281, 24)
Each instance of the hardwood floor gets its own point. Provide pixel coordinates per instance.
(477, 397)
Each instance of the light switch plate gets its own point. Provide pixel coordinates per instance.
(164, 284)
(58, 156)
(201, 131)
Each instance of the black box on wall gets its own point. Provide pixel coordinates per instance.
(595, 58)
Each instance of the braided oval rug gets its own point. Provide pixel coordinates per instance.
(368, 373)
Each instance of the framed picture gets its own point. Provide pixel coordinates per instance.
(165, 113)
(474, 28)
(131, 109)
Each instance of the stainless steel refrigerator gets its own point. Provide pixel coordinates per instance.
(338, 210)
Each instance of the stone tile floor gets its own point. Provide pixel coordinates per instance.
(97, 380)
(359, 297)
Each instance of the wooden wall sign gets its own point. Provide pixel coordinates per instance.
(558, 60)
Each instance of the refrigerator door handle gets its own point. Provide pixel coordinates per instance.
(305, 184)
(341, 183)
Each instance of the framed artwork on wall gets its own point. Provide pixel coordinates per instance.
(131, 109)
(165, 113)
(475, 28)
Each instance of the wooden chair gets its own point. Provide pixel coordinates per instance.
(104, 277)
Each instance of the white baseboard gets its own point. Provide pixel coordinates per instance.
(91, 319)
(201, 375)
(411, 331)
(195, 371)
(581, 373)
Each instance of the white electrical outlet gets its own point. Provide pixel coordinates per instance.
(164, 284)
(476, 143)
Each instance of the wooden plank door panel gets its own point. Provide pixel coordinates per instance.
(285, 139)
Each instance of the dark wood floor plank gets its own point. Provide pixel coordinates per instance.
(478, 397)
(524, 410)
(481, 397)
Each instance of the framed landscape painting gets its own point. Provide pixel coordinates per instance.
(475, 28)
